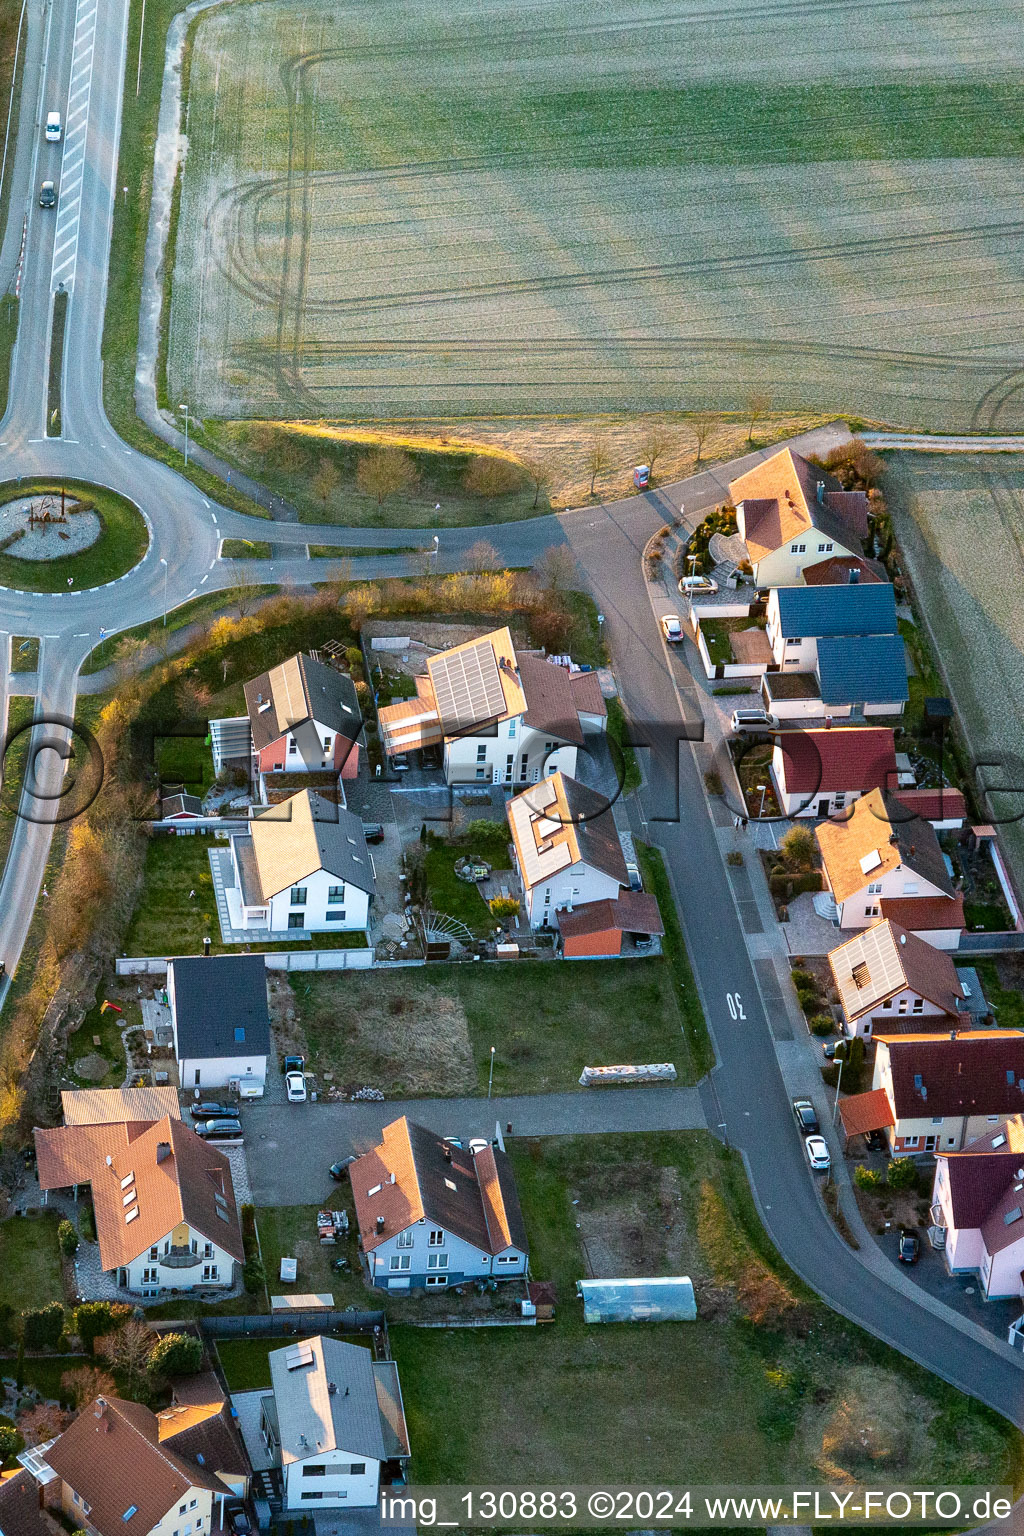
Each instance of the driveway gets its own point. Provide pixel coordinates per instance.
(322, 1133)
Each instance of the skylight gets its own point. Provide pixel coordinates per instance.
(449, 1183)
(132, 1509)
(999, 1141)
(222, 1214)
(239, 1033)
(374, 1189)
(1012, 1216)
(131, 1215)
(870, 861)
(129, 1178)
(128, 1198)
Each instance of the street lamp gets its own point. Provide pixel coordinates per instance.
(839, 1079)
(185, 409)
(163, 562)
(490, 1076)
(763, 788)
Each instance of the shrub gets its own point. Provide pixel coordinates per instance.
(8, 1332)
(903, 1173)
(821, 1024)
(503, 906)
(867, 1178)
(93, 1318)
(798, 848)
(78, 1387)
(488, 475)
(735, 857)
(87, 1224)
(175, 1354)
(43, 1326)
(803, 979)
(67, 1237)
(253, 1275)
(808, 1001)
(11, 1442)
(712, 782)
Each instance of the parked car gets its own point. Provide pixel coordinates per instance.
(47, 195)
(218, 1130)
(293, 1064)
(817, 1154)
(910, 1246)
(295, 1087)
(339, 1169)
(803, 1114)
(238, 1520)
(834, 1050)
(209, 1109)
(691, 586)
(752, 720)
(53, 128)
(671, 628)
(373, 831)
(878, 1141)
(478, 1144)
(635, 881)
(399, 764)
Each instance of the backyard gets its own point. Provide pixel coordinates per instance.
(246, 1364)
(718, 635)
(30, 1271)
(289, 1231)
(766, 1377)
(95, 1053)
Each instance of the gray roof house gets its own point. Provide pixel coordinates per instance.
(295, 696)
(870, 669)
(220, 1021)
(334, 1422)
(303, 864)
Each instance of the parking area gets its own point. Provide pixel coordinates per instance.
(961, 1292)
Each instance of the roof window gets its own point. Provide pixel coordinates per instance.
(239, 1033)
(998, 1141)
(129, 1178)
(132, 1509)
(870, 861)
(1012, 1216)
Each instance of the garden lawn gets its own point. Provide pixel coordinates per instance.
(705, 1402)
(246, 1364)
(185, 760)
(30, 1271)
(105, 1027)
(122, 542)
(289, 1231)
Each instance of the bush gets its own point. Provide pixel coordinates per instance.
(8, 1332)
(43, 1327)
(803, 979)
(175, 1354)
(821, 1024)
(867, 1178)
(94, 1318)
(87, 1224)
(503, 906)
(903, 1173)
(735, 857)
(799, 848)
(253, 1275)
(67, 1237)
(491, 476)
(809, 1001)
(712, 782)
(11, 1442)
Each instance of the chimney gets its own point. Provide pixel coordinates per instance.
(380, 1224)
(854, 575)
(206, 948)
(163, 1151)
(820, 493)
(447, 1153)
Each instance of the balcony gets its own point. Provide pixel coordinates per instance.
(181, 1258)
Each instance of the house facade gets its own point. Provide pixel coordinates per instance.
(221, 1022)
(945, 1091)
(880, 852)
(977, 1209)
(163, 1201)
(334, 1425)
(302, 864)
(890, 979)
(567, 848)
(798, 617)
(432, 1214)
(821, 772)
(790, 514)
(498, 717)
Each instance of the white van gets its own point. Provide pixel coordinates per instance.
(53, 128)
(752, 720)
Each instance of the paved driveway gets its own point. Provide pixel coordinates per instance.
(291, 1146)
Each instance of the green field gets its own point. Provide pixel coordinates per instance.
(383, 215)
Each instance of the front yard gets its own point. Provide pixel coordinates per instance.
(767, 1377)
(718, 635)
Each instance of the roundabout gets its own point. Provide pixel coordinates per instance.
(68, 534)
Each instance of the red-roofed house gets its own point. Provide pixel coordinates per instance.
(947, 1090)
(977, 1215)
(596, 929)
(945, 808)
(817, 773)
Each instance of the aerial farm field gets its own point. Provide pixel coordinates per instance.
(960, 524)
(386, 212)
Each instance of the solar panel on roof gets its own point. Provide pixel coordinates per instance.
(467, 685)
(298, 1356)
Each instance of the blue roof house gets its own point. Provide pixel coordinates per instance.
(798, 617)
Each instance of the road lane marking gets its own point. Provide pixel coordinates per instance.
(72, 169)
(192, 593)
(205, 578)
(735, 1004)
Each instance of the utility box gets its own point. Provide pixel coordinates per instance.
(642, 476)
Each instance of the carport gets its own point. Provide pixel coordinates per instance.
(862, 1113)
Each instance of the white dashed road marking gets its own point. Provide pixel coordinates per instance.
(72, 170)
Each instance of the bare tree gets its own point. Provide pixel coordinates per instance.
(192, 697)
(386, 471)
(86, 1382)
(757, 406)
(128, 1350)
(242, 596)
(128, 657)
(326, 480)
(654, 446)
(541, 475)
(598, 461)
(482, 556)
(556, 568)
(702, 425)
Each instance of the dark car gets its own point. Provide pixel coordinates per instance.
(47, 195)
(210, 1110)
(373, 831)
(910, 1246)
(338, 1170)
(877, 1141)
(293, 1064)
(217, 1130)
(803, 1114)
(238, 1520)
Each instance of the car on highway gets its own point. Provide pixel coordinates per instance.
(47, 195)
(694, 586)
(910, 1246)
(373, 831)
(209, 1109)
(295, 1087)
(339, 1169)
(218, 1130)
(752, 720)
(53, 128)
(817, 1154)
(671, 627)
(803, 1114)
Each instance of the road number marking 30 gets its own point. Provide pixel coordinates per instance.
(735, 1005)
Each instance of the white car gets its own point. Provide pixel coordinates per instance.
(53, 128)
(478, 1144)
(817, 1154)
(691, 585)
(671, 627)
(753, 720)
(295, 1086)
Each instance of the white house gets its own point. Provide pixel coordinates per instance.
(821, 772)
(567, 848)
(499, 717)
(334, 1423)
(947, 1090)
(302, 864)
(879, 852)
(221, 1022)
(163, 1201)
(796, 618)
(432, 1214)
(977, 1213)
(791, 514)
(890, 979)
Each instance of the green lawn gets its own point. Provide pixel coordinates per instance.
(24, 653)
(626, 765)
(19, 710)
(121, 545)
(718, 635)
(30, 1273)
(356, 551)
(698, 1041)
(457, 898)
(53, 402)
(717, 1401)
(45, 1371)
(210, 605)
(8, 336)
(246, 1364)
(1007, 1003)
(289, 1231)
(244, 549)
(106, 1027)
(185, 760)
